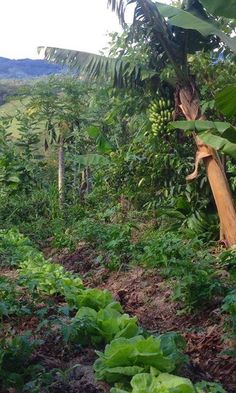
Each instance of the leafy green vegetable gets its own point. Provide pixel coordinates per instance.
(162, 353)
(102, 326)
(49, 278)
(209, 387)
(164, 383)
(95, 298)
(15, 354)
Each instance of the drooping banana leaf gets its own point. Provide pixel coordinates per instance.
(93, 66)
(226, 100)
(226, 8)
(219, 135)
(187, 20)
(92, 160)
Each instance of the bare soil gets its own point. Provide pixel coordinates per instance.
(148, 296)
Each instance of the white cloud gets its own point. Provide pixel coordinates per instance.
(73, 24)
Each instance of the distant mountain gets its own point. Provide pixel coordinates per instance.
(27, 68)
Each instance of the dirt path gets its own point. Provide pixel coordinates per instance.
(145, 294)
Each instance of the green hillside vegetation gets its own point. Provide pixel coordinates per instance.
(11, 109)
(117, 212)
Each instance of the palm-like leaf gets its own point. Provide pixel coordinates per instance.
(119, 7)
(221, 7)
(170, 32)
(190, 21)
(93, 66)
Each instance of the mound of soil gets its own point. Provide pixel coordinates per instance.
(146, 295)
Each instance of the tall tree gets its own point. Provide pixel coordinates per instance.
(171, 33)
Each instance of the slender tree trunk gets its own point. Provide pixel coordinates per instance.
(88, 180)
(188, 101)
(61, 174)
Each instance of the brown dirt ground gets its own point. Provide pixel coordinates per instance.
(144, 294)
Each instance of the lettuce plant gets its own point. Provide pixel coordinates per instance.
(164, 383)
(49, 278)
(99, 327)
(124, 358)
(94, 298)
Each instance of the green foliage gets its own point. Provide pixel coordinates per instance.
(99, 320)
(100, 327)
(95, 298)
(15, 368)
(35, 272)
(191, 20)
(225, 100)
(164, 383)
(195, 279)
(48, 278)
(167, 383)
(168, 250)
(14, 247)
(220, 135)
(124, 358)
(113, 240)
(229, 306)
(209, 387)
(219, 7)
(10, 301)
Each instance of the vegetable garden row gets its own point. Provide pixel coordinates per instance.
(132, 361)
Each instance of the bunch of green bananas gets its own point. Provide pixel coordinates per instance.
(160, 114)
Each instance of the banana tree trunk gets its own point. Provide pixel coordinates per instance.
(61, 174)
(188, 101)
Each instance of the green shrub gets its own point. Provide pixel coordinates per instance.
(49, 278)
(15, 368)
(168, 251)
(186, 263)
(10, 300)
(229, 306)
(14, 247)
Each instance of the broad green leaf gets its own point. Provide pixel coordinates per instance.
(93, 131)
(201, 125)
(143, 383)
(219, 135)
(221, 7)
(103, 144)
(230, 134)
(186, 20)
(226, 100)
(175, 384)
(183, 125)
(13, 179)
(96, 299)
(213, 140)
(92, 160)
(86, 312)
(219, 143)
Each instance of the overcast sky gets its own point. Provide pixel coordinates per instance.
(72, 24)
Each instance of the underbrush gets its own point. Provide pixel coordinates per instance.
(114, 241)
(90, 316)
(187, 263)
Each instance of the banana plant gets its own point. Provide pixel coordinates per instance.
(171, 33)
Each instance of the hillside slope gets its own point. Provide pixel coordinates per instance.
(27, 68)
